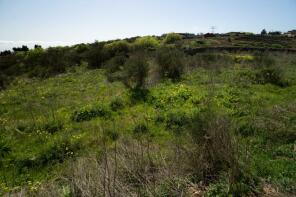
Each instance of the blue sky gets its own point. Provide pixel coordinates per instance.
(61, 22)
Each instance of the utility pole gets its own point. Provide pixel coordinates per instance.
(213, 28)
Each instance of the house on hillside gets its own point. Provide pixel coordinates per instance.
(291, 34)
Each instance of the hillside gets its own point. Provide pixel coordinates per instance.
(150, 116)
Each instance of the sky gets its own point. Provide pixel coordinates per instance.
(66, 22)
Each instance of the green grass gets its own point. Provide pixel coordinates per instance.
(37, 124)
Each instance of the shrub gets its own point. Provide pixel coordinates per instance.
(96, 55)
(210, 130)
(263, 60)
(114, 67)
(140, 129)
(272, 75)
(117, 47)
(139, 94)
(177, 120)
(115, 64)
(54, 152)
(285, 151)
(57, 152)
(171, 62)
(117, 104)
(172, 38)
(136, 70)
(90, 112)
(4, 149)
(52, 127)
(245, 76)
(175, 95)
(247, 129)
(217, 190)
(146, 42)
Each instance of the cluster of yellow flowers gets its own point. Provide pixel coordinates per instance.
(3, 188)
(33, 187)
(77, 137)
(3, 120)
(42, 133)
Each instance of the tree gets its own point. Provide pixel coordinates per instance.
(264, 32)
(171, 62)
(96, 55)
(136, 71)
(4, 53)
(19, 49)
(134, 75)
(36, 46)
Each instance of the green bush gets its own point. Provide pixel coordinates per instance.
(117, 104)
(54, 152)
(115, 64)
(4, 149)
(141, 129)
(114, 67)
(217, 190)
(247, 128)
(139, 94)
(172, 38)
(176, 120)
(134, 75)
(146, 42)
(52, 127)
(263, 60)
(171, 62)
(285, 151)
(272, 75)
(90, 112)
(96, 55)
(58, 152)
(117, 47)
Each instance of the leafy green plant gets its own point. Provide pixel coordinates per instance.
(52, 127)
(114, 66)
(172, 38)
(217, 190)
(90, 112)
(4, 149)
(285, 150)
(146, 42)
(171, 63)
(136, 71)
(117, 104)
(272, 75)
(140, 129)
(176, 120)
(117, 47)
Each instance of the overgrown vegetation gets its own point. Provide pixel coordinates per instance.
(142, 117)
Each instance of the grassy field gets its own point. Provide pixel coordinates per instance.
(226, 127)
